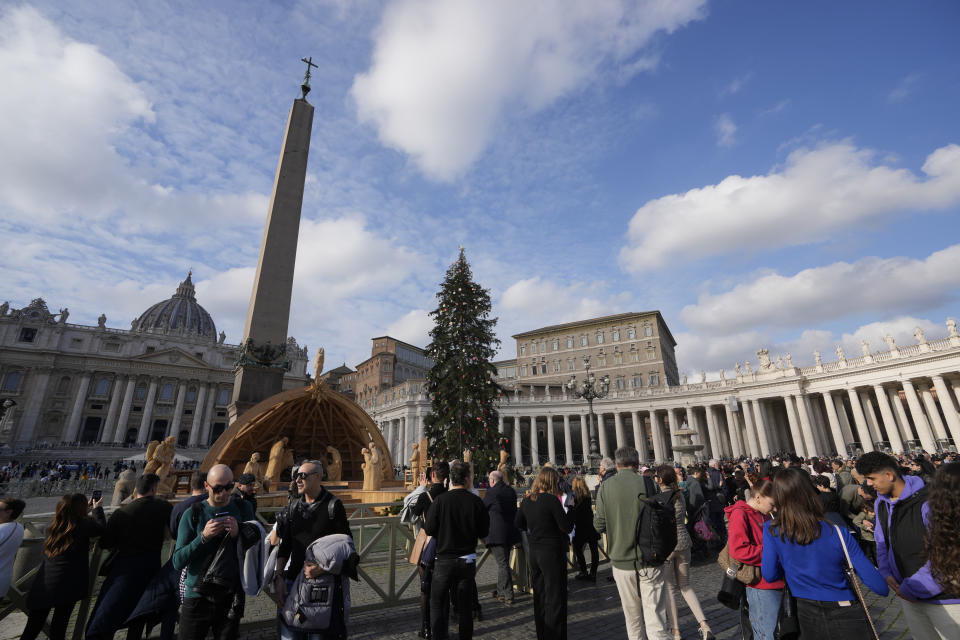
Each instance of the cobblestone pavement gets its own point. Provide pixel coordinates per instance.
(593, 612)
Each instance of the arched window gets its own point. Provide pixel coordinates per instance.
(166, 392)
(102, 388)
(12, 381)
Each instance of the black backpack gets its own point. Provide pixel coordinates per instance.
(656, 530)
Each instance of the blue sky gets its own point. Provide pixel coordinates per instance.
(779, 175)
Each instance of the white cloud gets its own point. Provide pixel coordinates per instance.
(817, 192)
(725, 129)
(871, 285)
(736, 85)
(904, 88)
(443, 73)
(413, 327)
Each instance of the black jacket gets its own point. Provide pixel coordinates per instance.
(64, 578)
(138, 527)
(457, 519)
(303, 523)
(545, 521)
(501, 503)
(583, 521)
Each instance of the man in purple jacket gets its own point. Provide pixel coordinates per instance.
(902, 520)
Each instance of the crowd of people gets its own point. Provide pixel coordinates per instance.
(62, 469)
(790, 533)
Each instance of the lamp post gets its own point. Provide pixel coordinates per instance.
(590, 389)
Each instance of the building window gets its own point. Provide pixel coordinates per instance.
(570, 342)
(224, 397)
(651, 354)
(637, 381)
(12, 381)
(523, 370)
(543, 368)
(523, 349)
(140, 393)
(647, 330)
(555, 344)
(602, 359)
(28, 335)
(63, 386)
(631, 333)
(571, 364)
(584, 341)
(76, 342)
(111, 346)
(599, 337)
(618, 358)
(556, 366)
(166, 392)
(102, 388)
(543, 346)
(615, 335)
(620, 384)
(150, 349)
(192, 394)
(654, 379)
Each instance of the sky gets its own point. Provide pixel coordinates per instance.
(767, 175)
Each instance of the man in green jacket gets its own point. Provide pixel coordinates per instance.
(616, 515)
(203, 528)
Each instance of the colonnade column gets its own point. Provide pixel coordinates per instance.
(715, 445)
(391, 437)
(178, 412)
(795, 433)
(144, 434)
(750, 429)
(551, 447)
(567, 440)
(900, 414)
(517, 450)
(761, 428)
(639, 442)
(31, 413)
(949, 410)
(500, 426)
(618, 430)
(208, 414)
(109, 426)
(656, 432)
(673, 426)
(585, 437)
(867, 404)
(73, 425)
(732, 431)
(860, 420)
(198, 415)
(919, 420)
(835, 432)
(769, 420)
(938, 429)
(808, 441)
(888, 420)
(120, 429)
(534, 445)
(601, 428)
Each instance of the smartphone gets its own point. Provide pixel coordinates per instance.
(222, 515)
(97, 494)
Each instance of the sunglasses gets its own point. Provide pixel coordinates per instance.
(303, 476)
(220, 488)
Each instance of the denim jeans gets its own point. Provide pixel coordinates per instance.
(764, 609)
(501, 553)
(198, 616)
(448, 572)
(827, 621)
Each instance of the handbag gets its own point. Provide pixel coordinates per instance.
(788, 625)
(420, 543)
(732, 590)
(852, 581)
(746, 573)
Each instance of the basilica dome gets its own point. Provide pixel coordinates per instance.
(180, 315)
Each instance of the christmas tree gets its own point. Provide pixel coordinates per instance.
(462, 386)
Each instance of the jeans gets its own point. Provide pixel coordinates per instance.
(201, 615)
(501, 553)
(764, 609)
(827, 621)
(446, 573)
(58, 626)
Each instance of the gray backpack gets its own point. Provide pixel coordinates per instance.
(323, 603)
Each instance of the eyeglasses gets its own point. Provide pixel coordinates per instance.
(220, 488)
(303, 476)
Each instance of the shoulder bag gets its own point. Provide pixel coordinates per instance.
(421, 542)
(746, 573)
(852, 581)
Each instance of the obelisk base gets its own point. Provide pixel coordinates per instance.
(251, 385)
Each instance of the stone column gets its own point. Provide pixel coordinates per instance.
(761, 428)
(795, 431)
(673, 426)
(808, 442)
(656, 434)
(208, 415)
(391, 437)
(144, 434)
(714, 445)
(949, 410)
(551, 446)
(618, 430)
(639, 441)
(76, 414)
(585, 436)
(419, 425)
(819, 426)
(889, 423)
(919, 420)
(734, 432)
(198, 411)
(752, 443)
(692, 423)
(517, 446)
(934, 416)
(602, 435)
(900, 414)
(110, 424)
(500, 423)
(534, 445)
(567, 440)
(178, 411)
(770, 420)
(31, 414)
(834, 421)
(402, 445)
(861, 421)
(844, 420)
(867, 403)
(120, 429)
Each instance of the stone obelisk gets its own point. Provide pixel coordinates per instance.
(262, 361)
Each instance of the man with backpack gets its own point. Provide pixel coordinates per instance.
(902, 516)
(641, 533)
(315, 513)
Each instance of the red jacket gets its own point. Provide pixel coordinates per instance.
(745, 538)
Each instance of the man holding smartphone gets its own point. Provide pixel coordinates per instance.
(206, 527)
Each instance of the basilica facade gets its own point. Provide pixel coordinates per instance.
(169, 374)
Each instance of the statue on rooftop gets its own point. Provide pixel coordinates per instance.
(102, 321)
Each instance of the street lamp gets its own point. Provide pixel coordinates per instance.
(590, 389)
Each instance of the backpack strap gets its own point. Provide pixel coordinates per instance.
(332, 506)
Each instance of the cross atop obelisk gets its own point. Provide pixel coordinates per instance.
(305, 85)
(262, 361)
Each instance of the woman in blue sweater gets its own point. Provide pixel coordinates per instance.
(803, 548)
